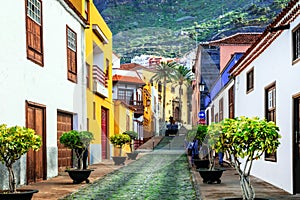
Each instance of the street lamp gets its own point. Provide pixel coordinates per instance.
(201, 87)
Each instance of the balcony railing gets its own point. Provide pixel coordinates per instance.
(138, 105)
(100, 81)
(99, 75)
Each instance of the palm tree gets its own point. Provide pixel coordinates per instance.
(183, 76)
(164, 72)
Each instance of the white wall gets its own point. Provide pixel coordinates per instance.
(273, 65)
(21, 79)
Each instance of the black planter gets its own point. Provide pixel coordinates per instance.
(20, 195)
(119, 160)
(132, 156)
(79, 175)
(199, 163)
(240, 198)
(211, 176)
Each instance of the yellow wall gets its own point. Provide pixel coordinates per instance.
(100, 102)
(120, 119)
(107, 103)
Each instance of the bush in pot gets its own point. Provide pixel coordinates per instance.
(248, 139)
(14, 142)
(211, 174)
(118, 141)
(133, 136)
(78, 141)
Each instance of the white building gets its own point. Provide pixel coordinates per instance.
(42, 78)
(266, 85)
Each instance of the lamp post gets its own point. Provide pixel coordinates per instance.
(202, 91)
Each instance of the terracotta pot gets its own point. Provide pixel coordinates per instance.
(79, 175)
(20, 195)
(211, 176)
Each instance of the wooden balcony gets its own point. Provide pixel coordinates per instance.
(138, 105)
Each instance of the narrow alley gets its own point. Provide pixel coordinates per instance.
(161, 174)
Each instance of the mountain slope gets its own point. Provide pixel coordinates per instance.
(171, 28)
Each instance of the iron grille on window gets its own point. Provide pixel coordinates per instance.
(296, 44)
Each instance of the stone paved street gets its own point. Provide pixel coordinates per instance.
(161, 174)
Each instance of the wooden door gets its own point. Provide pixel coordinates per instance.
(64, 124)
(296, 145)
(36, 160)
(104, 121)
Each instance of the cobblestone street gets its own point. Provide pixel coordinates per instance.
(161, 174)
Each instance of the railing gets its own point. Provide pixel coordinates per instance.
(99, 75)
(138, 105)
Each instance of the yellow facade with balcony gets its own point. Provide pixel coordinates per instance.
(98, 74)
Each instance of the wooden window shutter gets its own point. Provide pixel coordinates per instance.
(34, 38)
(71, 54)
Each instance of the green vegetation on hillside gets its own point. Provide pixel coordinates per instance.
(156, 26)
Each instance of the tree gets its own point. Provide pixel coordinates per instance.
(78, 141)
(164, 72)
(183, 76)
(248, 139)
(14, 142)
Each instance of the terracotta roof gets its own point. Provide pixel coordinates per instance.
(131, 66)
(236, 39)
(128, 79)
(287, 15)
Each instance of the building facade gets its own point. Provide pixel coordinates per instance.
(42, 80)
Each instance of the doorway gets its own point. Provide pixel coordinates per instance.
(36, 160)
(104, 121)
(296, 165)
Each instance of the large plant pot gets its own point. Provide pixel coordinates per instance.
(199, 163)
(119, 160)
(240, 198)
(132, 155)
(79, 175)
(20, 195)
(211, 176)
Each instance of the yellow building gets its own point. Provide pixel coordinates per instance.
(123, 118)
(98, 76)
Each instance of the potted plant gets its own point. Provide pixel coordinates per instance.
(133, 135)
(14, 142)
(78, 141)
(119, 140)
(201, 159)
(212, 174)
(248, 139)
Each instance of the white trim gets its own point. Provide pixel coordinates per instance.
(99, 33)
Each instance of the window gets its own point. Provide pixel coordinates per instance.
(212, 113)
(72, 55)
(221, 107)
(172, 89)
(296, 44)
(250, 80)
(270, 95)
(86, 9)
(87, 124)
(34, 37)
(231, 103)
(126, 95)
(88, 78)
(107, 72)
(94, 110)
(159, 87)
